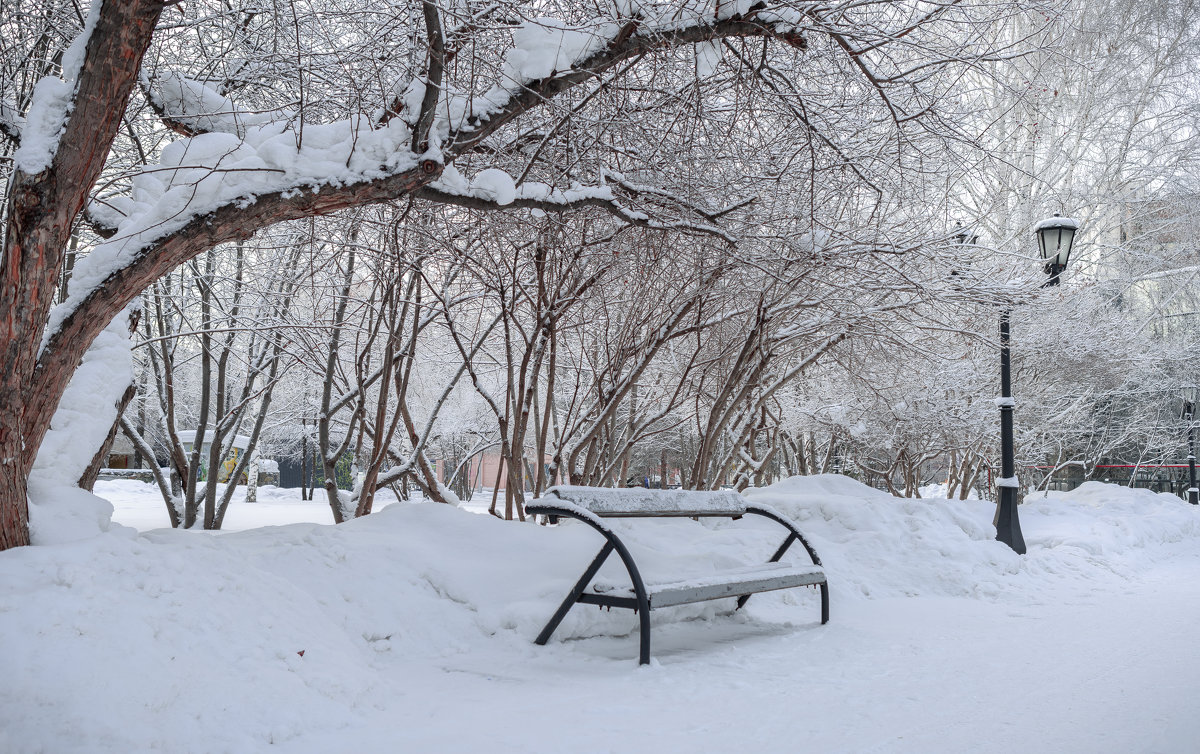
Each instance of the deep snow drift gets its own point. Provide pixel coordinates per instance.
(411, 630)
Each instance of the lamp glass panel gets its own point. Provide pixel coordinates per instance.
(1066, 238)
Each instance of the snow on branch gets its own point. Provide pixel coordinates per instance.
(51, 105)
(191, 108)
(202, 174)
(495, 189)
(11, 122)
(246, 155)
(549, 56)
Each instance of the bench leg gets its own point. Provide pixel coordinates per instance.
(573, 595)
(644, 631)
(787, 542)
(824, 602)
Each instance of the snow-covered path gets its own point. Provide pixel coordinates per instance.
(412, 630)
(1112, 674)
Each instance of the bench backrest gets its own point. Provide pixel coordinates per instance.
(632, 502)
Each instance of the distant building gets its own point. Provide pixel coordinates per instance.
(240, 443)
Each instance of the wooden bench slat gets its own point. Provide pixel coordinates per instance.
(639, 502)
(733, 582)
(687, 595)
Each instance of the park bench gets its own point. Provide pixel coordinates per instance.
(592, 505)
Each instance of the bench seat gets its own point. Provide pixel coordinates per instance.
(733, 582)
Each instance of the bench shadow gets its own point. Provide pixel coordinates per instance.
(698, 637)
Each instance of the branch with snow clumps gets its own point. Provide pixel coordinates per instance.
(232, 186)
(191, 108)
(494, 189)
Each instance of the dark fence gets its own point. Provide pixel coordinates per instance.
(1172, 478)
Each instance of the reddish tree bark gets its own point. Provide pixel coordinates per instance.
(41, 212)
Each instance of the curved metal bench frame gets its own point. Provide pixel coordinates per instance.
(640, 602)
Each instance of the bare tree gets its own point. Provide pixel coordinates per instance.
(215, 345)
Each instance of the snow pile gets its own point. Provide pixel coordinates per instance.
(308, 635)
(941, 488)
(131, 644)
(875, 545)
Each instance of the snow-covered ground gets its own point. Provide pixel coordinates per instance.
(411, 630)
(139, 504)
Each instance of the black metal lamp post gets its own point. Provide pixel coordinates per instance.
(1189, 406)
(1008, 524)
(1056, 236)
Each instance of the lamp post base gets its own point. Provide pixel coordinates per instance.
(1008, 525)
(1193, 493)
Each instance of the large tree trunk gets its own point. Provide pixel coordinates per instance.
(14, 505)
(42, 210)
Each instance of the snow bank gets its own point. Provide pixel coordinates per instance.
(122, 643)
(187, 641)
(875, 545)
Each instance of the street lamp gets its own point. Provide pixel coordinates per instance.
(1189, 406)
(1055, 235)
(964, 236)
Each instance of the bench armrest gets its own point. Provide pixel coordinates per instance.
(767, 511)
(562, 508)
(558, 507)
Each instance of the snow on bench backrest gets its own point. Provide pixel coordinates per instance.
(639, 501)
